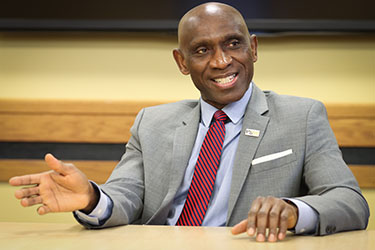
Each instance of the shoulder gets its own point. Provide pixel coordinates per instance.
(274, 98)
(184, 105)
(287, 104)
(168, 113)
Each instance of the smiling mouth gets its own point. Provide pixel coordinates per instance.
(225, 80)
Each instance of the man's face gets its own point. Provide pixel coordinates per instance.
(218, 53)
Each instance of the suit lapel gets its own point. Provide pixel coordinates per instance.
(183, 143)
(182, 147)
(247, 145)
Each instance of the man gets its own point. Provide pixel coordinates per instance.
(275, 161)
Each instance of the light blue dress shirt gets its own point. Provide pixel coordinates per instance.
(216, 214)
(217, 210)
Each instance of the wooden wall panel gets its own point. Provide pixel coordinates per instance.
(354, 132)
(109, 122)
(365, 175)
(340, 111)
(67, 121)
(65, 128)
(353, 124)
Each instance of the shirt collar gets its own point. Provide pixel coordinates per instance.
(235, 110)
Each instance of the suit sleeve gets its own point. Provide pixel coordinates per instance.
(125, 186)
(333, 190)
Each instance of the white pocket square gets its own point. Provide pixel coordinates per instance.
(272, 157)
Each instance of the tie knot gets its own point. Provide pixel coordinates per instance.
(220, 116)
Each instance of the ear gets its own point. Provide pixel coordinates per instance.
(180, 60)
(254, 47)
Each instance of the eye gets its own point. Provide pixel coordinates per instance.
(234, 43)
(201, 51)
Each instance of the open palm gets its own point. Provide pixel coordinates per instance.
(63, 189)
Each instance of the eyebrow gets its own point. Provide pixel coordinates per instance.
(204, 41)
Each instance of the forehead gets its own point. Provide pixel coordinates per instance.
(211, 29)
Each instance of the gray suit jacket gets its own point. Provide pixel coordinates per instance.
(144, 183)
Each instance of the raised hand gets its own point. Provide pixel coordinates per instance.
(270, 213)
(63, 189)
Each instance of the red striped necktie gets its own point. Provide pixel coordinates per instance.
(203, 181)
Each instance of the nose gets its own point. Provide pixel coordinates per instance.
(220, 59)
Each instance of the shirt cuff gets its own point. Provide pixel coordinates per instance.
(100, 213)
(307, 218)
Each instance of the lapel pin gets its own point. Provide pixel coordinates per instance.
(252, 132)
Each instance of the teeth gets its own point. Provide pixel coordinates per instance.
(226, 79)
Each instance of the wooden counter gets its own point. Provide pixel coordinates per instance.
(67, 236)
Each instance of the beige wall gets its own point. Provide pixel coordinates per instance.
(140, 66)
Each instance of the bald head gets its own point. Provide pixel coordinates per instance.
(206, 13)
(217, 51)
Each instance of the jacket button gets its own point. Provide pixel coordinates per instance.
(330, 229)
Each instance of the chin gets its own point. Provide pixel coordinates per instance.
(225, 102)
(234, 98)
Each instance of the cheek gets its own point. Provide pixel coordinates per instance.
(198, 64)
(250, 69)
(197, 70)
(248, 64)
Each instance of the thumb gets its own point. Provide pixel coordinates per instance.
(240, 227)
(56, 164)
(293, 217)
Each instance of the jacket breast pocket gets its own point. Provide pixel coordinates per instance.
(273, 161)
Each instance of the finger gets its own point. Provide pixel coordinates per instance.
(283, 224)
(43, 210)
(26, 192)
(29, 179)
(240, 227)
(27, 202)
(252, 217)
(57, 165)
(273, 223)
(262, 220)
